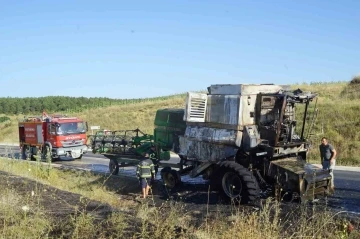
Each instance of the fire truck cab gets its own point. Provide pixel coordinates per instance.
(51, 137)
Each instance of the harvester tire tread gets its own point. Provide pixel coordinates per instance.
(170, 174)
(250, 187)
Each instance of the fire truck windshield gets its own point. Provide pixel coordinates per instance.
(71, 128)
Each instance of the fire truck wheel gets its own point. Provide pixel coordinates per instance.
(238, 183)
(113, 167)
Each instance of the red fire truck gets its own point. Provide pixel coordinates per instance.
(50, 137)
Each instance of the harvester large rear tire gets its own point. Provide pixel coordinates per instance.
(238, 183)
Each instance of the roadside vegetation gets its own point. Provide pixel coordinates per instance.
(38, 201)
(51, 104)
(337, 117)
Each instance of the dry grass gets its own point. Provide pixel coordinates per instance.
(167, 221)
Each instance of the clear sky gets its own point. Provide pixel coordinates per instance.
(133, 49)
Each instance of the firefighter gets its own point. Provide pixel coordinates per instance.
(145, 172)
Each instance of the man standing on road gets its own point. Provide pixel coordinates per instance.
(145, 172)
(328, 154)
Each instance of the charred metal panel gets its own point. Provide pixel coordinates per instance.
(225, 89)
(214, 135)
(294, 175)
(269, 110)
(291, 164)
(223, 109)
(251, 137)
(231, 110)
(247, 109)
(205, 151)
(291, 149)
(227, 104)
(246, 89)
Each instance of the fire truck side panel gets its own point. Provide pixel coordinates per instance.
(32, 133)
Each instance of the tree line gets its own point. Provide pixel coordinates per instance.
(51, 104)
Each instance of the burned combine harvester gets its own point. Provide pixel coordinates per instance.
(242, 139)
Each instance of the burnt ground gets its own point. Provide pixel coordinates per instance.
(62, 205)
(53, 201)
(194, 199)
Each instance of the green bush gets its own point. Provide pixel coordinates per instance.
(4, 119)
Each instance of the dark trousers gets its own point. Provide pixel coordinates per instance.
(145, 182)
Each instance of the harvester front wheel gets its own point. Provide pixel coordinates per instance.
(238, 183)
(114, 166)
(170, 177)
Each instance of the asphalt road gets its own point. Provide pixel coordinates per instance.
(345, 200)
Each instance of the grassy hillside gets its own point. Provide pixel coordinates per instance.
(117, 117)
(131, 116)
(337, 118)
